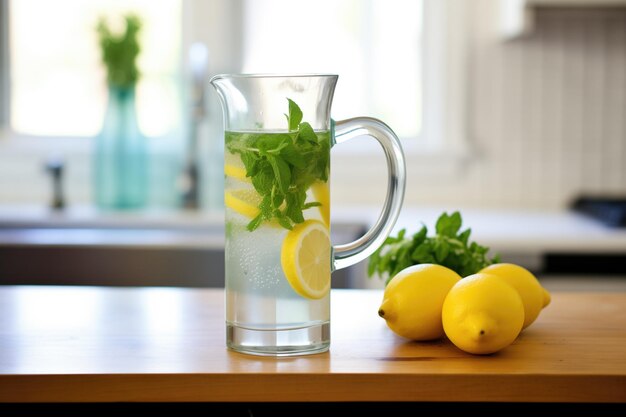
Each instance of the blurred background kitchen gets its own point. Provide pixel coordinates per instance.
(512, 111)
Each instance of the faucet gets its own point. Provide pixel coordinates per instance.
(55, 166)
(198, 59)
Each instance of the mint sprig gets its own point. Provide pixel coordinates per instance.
(295, 115)
(120, 51)
(282, 167)
(449, 247)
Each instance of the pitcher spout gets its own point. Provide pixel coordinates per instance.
(233, 101)
(257, 101)
(219, 83)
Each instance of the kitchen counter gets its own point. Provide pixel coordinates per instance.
(174, 248)
(97, 344)
(524, 232)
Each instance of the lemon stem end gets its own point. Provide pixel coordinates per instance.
(387, 310)
(546, 298)
(479, 326)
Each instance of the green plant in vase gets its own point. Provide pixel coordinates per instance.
(120, 165)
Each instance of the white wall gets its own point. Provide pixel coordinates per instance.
(547, 114)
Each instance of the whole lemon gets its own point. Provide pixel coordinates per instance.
(482, 314)
(534, 296)
(413, 300)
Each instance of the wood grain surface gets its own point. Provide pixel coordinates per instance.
(84, 344)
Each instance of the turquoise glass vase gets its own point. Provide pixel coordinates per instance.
(121, 177)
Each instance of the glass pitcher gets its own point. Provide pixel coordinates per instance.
(278, 136)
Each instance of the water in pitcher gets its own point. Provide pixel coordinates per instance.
(277, 228)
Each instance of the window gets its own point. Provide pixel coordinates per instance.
(374, 46)
(57, 81)
(403, 61)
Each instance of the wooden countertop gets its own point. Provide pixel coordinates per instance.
(167, 344)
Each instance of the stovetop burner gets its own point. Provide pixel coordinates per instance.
(609, 210)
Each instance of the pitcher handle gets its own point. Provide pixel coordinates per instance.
(344, 130)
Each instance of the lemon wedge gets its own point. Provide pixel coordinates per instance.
(243, 201)
(321, 193)
(305, 258)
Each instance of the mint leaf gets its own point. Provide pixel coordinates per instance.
(372, 266)
(403, 257)
(441, 251)
(293, 156)
(284, 222)
(266, 206)
(282, 173)
(419, 237)
(263, 179)
(323, 160)
(250, 161)
(255, 223)
(295, 115)
(423, 254)
(464, 237)
(282, 167)
(306, 132)
(449, 225)
(294, 208)
(277, 197)
(272, 143)
(448, 248)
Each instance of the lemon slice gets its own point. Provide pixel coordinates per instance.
(305, 257)
(321, 193)
(243, 201)
(236, 172)
(234, 168)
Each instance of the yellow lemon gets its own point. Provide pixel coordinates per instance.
(413, 301)
(321, 193)
(546, 297)
(234, 168)
(305, 258)
(482, 314)
(534, 296)
(243, 201)
(236, 172)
